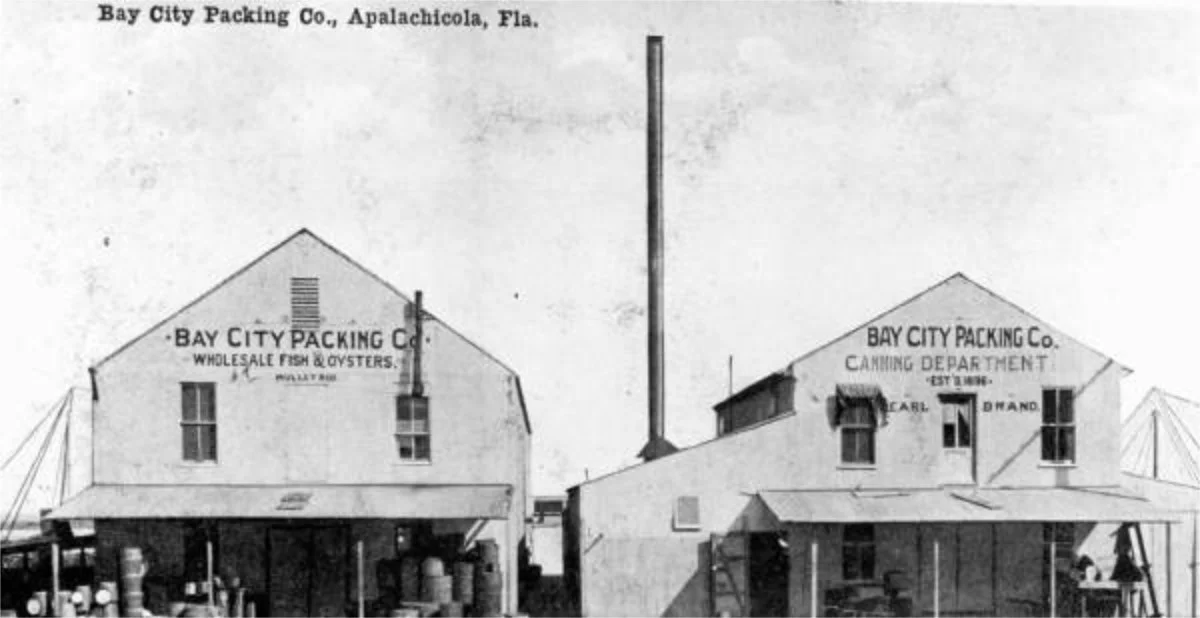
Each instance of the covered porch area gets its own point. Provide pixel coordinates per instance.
(320, 550)
(964, 552)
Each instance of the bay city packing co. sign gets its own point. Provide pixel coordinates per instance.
(954, 355)
(299, 356)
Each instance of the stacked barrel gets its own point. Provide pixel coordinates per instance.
(471, 585)
(436, 586)
(489, 584)
(133, 569)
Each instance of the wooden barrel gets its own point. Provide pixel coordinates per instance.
(410, 578)
(489, 591)
(437, 589)
(453, 609)
(464, 582)
(489, 552)
(433, 567)
(133, 569)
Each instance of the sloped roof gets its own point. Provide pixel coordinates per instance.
(304, 232)
(1100, 504)
(955, 277)
(1161, 439)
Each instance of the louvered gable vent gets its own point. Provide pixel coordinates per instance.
(306, 303)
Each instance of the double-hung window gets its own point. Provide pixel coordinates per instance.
(857, 423)
(1058, 425)
(199, 422)
(412, 428)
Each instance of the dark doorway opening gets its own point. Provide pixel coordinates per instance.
(768, 573)
(309, 570)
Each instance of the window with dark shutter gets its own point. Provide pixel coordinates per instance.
(1058, 425)
(199, 421)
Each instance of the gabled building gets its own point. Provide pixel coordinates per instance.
(953, 455)
(299, 410)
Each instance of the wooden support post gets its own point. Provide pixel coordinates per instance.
(1053, 572)
(362, 601)
(1168, 557)
(813, 560)
(995, 560)
(937, 577)
(55, 569)
(1195, 565)
(208, 562)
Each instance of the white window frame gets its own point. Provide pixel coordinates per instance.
(199, 423)
(869, 428)
(1059, 427)
(412, 433)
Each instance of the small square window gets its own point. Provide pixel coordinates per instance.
(687, 513)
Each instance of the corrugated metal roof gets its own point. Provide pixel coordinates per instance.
(288, 501)
(954, 505)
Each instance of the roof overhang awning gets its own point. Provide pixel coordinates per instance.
(1052, 504)
(869, 392)
(288, 502)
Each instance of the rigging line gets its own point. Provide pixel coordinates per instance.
(1143, 453)
(1184, 452)
(59, 462)
(10, 519)
(1140, 461)
(1191, 466)
(1185, 428)
(1175, 413)
(1129, 419)
(49, 412)
(66, 448)
(1133, 436)
(1186, 463)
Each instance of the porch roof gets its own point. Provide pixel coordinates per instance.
(288, 501)
(962, 505)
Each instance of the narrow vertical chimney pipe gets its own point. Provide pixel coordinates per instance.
(657, 445)
(418, 342)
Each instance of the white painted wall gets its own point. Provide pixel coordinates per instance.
(625, 518)
(275, 432)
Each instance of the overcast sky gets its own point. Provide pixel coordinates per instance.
(824, 163)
